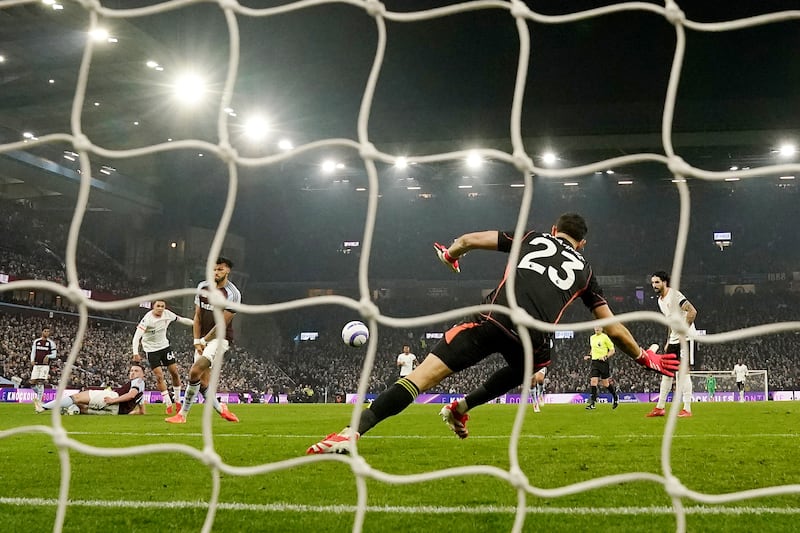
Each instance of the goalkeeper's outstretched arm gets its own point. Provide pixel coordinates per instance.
(480, 240)
(483, 240)
(665, 364)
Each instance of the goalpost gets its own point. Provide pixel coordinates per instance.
(756, 385)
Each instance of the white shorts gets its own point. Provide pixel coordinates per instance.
(96, 402)
(212, 349)
(40, 372)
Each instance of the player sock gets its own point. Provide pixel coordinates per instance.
(389, 403)
(167, 397)
(593, 389)
(213, 401)
(191, 393)
(176, 393)
(666, 386)
(63, 402)
(687, 393)
(498, 383)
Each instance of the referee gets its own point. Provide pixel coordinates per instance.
(602, 350)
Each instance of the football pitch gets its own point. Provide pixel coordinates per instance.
(724, 448)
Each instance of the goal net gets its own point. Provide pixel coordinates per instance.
(723, 386)
(518, 156)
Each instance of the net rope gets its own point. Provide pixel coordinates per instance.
(520, 14)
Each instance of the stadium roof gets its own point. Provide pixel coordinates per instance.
(595, 87)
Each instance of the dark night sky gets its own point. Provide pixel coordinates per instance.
(447, 81)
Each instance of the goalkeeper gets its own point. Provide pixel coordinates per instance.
(711, 387)
(550, 274)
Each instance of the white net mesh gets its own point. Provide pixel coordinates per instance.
(519, 14)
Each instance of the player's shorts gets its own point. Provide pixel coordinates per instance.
(163, 357)
(468, 343)
(600, 369)
(212, 349)
(98, 406)
(40, 372)
(740, 385)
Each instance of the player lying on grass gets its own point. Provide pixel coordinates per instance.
(551, 274)
(125, 400)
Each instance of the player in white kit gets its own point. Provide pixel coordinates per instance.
(673, 304)
(740, 372)
(151, 333)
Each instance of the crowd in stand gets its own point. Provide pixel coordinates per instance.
(34, 249)
(328, 368)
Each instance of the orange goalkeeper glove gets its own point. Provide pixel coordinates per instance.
(665, 364)
(445, 257)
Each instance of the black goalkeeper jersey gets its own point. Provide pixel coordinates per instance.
(550, 275)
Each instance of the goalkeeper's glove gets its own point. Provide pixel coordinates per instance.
(445, 257)
(665, 364)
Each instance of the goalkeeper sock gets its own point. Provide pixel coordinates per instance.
(666, 387)
(593, 389)
(390, 402)
(191, 393)
(498, 383)
(213, 401)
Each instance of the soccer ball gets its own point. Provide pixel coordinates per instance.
(355, 333)
(71, 410)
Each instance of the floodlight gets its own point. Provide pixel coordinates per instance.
(256, 128)
(549, 158)
(328, 166)
(787, 150)
(474, 160)
(190, 88)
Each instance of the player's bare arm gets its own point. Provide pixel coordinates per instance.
(618, 333)
(199, 343)
(130, 395)
(480, 240)
(665, 364)
(691, 312)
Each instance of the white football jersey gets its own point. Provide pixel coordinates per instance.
(670, 305)
(406, 361)
(154, 331)
(740, 372)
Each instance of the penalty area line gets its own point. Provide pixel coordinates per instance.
(424, 509)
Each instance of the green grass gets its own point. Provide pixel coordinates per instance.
(724, 448)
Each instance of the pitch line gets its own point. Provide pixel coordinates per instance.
(448, 436)
(423, 509)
